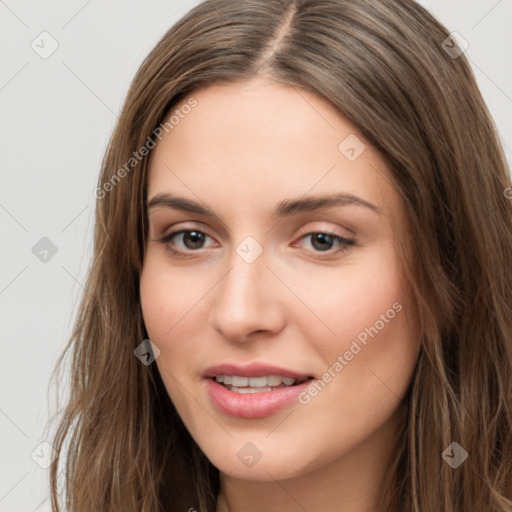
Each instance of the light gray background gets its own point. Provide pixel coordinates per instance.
(57, 115)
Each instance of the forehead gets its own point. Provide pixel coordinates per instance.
(259, 142)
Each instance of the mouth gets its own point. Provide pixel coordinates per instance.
(262, 384)
(253, 391)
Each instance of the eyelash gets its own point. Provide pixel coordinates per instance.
(345, 242)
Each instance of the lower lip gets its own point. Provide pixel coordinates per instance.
(252, 405)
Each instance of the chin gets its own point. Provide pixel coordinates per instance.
(242, 460)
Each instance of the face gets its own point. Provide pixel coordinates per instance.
(271, 282)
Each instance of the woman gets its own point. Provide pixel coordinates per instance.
(304, 208)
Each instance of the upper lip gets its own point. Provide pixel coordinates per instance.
(252, 370)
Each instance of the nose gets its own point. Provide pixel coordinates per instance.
(246, 301)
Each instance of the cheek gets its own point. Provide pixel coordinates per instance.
(369, 348)
(173, 305)
(167, 297)
(370, 367)
(163, 303)
(354, 302)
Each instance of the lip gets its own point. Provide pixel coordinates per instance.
(251, 370)
(252, 405)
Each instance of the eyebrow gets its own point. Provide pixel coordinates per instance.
(284, 208)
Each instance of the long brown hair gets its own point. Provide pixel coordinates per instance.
(122, 447)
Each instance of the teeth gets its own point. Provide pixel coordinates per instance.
(273, 380)
(256, 384)
(249, 390)
(239, 382)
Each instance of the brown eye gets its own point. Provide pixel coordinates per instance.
(325, 242)
(191, 239)
(322, 241)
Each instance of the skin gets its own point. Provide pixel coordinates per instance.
(244, 148)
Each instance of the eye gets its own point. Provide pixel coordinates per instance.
(327, 242)
(191, 240)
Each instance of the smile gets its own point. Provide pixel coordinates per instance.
(265, 383)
